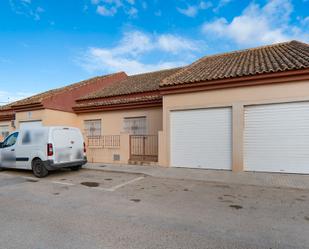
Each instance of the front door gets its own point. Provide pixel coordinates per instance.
(8, 154)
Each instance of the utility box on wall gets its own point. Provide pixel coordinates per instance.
(116, 157)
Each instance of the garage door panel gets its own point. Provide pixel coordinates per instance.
(201, 138)
(30, 124)
(276, 138)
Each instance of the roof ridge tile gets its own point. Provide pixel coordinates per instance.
(291, 55)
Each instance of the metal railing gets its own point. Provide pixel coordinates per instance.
(144, 148)
(106, 141)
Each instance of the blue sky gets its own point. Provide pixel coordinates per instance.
(51, 43)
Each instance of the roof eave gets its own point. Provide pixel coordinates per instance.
(269, 78)
(135, 94)
(28, 107)
(7, 117)
(123, 106)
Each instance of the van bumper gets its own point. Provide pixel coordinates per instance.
(51, 165)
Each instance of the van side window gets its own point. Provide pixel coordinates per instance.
(10, 140)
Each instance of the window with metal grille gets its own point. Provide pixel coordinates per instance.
(4, 131)
(93, 128)
(135, 125)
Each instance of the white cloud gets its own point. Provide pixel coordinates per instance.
(111, 7)
(192, 10)
(26, 8)
(174, 44)
(102, 59)
(8, 97)
(132, 53)
(132, 12)
(102, 10)
(258, 25)
(305, 21)
(134, 43)
(205, 5)
(221, 4)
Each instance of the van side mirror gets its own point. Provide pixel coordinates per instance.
(1, 144)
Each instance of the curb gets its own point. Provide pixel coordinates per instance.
(118, 171)
(209, 181)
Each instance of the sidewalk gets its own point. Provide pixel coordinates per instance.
(219, 176)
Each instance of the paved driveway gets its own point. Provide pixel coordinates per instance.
(96, 209)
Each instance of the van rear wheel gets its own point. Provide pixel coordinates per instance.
(38, 168)
(75, 168)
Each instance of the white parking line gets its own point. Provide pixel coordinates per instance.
(30, 178)
(125, 183)
(114, 188)
(104, 189)
(63, 183)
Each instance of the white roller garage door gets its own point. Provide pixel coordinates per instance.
(29, 124)
(276, 138)
(202, 138)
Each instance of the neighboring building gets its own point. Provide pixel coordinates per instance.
(53, 107)
(244, 110)
(6, 117)
(132, 106)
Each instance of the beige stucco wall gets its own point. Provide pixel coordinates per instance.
(6, 123)
(112, 121)
(237, 98)
(112, 124)
(48, 117)
(106, 155)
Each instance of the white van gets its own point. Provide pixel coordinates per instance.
(42, 149)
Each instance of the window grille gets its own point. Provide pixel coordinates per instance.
(93, 128)
(135, 125)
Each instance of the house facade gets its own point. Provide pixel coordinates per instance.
(242, 111)
(246, 110)
(121, 122)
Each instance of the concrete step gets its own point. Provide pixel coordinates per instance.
(133, 162)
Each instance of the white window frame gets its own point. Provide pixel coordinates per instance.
(92, 124)
(135, 125)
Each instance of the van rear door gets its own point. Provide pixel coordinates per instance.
(67, 145)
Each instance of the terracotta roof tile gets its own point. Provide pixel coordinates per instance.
(6, 112)
(139, 83)
(4, 107)
(38, 98)
(7, 107)
(279, 57)
(123, 100)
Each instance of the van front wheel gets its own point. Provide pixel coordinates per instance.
(38, 168)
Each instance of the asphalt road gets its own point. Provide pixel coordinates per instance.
(132, 211)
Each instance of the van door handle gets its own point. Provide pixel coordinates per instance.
(12, 149)
(70, 147)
